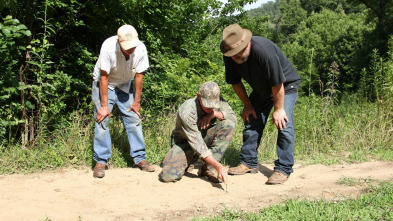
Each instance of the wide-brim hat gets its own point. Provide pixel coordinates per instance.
(128, 37)
(234, 39)
(210, 94)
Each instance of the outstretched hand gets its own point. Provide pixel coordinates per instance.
(223, 174)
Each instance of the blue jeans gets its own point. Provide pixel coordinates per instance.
(253, 131)
(131, 122)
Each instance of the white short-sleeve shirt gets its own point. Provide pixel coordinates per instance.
(120, 71)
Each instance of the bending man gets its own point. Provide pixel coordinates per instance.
(275, 83)
(123, 59)
(205, 125)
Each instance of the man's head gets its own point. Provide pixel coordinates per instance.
(209, 95)
(236, 43)
(127, 37)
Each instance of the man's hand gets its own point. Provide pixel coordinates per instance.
(279, 118)
(222, 173)
(221, 170)
(247, 111)
(102, 113)
(204, 123)
(136, 107)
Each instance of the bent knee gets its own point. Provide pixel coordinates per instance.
(229, 124)
(167, 177)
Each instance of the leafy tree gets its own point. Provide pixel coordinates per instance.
(271, 8)
(13, 36)
(291, 14)
(382, 12)
(326, 37)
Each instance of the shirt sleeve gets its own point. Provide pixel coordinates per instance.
(274, 71)
(104, 58)
(231, 75)
(141, 62)
(193, 135)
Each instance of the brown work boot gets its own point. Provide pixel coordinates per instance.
(277, 178)
(241, 169)
(211, 173)
(145, 166)
(99, 170)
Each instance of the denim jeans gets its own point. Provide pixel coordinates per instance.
(253, 131)
(131, 122)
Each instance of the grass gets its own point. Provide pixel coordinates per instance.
(375, 204)
(352, 131)
(350, 181)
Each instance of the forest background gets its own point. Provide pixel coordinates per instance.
(342, 49)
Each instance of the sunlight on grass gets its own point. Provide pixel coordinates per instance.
(375, 204)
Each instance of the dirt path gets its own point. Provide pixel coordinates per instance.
(129, 194)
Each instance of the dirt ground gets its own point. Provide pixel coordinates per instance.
(130, 194)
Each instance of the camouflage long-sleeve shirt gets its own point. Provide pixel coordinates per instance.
(188, 116)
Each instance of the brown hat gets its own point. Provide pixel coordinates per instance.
(234, 39)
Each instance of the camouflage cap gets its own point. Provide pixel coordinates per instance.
(210, 94)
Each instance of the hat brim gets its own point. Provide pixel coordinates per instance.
(210, 104)
(229, 53)
(126, 45)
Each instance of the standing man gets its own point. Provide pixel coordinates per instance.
(275, 83)
(123, 58)
(204, 125)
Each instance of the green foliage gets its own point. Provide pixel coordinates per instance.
(316, 6)
(377, 80)
(68, 146)
(13, 39)
(271, 9)
(381, 13)
(181, 82)
(291, 14)
(326, 37)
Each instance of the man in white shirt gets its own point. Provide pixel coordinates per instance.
(123, 59)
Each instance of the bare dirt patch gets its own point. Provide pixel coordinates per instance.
(130, 194)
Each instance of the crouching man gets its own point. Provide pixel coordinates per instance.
(205, 125)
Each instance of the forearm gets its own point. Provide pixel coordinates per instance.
(104, 89)
(213, 162)
(278, 96)
(138, 80)
(241, 92)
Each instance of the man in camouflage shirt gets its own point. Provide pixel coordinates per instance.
(205, 125)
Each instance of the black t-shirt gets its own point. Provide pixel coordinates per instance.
(265, 67)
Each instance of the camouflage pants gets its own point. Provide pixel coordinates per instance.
(181, 155)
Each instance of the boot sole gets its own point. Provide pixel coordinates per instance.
(254, 170)
(275, 183)
(98, 176)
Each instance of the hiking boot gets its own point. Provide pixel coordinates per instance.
(145, 166)
(241, 169)
(211, 173)
(99, 170)
(190, 168)
(277, 178)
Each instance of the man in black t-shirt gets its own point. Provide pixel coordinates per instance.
(275, 83)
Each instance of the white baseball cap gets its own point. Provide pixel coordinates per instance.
(128, 37)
